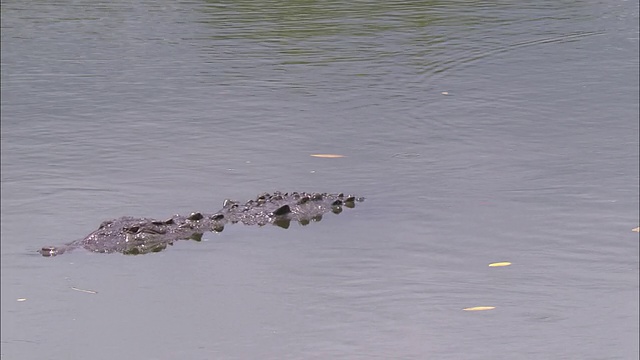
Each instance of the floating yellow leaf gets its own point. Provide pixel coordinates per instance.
(21, 299)
(328, 156)
(479, 308)
(445, 93)
(636, 229)
(497, 264)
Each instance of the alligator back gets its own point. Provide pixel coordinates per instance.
(129, 235)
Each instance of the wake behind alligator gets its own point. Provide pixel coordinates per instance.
(134, 236)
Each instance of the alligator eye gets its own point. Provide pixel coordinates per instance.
(195, 216)
(151, 230)
(132, 229)
(168, 222)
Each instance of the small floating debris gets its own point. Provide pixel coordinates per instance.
(21, 299)
(479, 308)
(499, 264)
(328, 156)
(445, 93)
(636, 229)
(83, 290)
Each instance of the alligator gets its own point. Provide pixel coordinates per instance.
(136, 236)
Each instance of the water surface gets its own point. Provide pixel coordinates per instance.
(477, 132)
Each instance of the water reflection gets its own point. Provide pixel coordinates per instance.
(425, 34)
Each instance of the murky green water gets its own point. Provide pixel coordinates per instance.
(477, 132)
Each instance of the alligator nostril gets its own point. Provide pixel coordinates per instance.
(48, 251)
